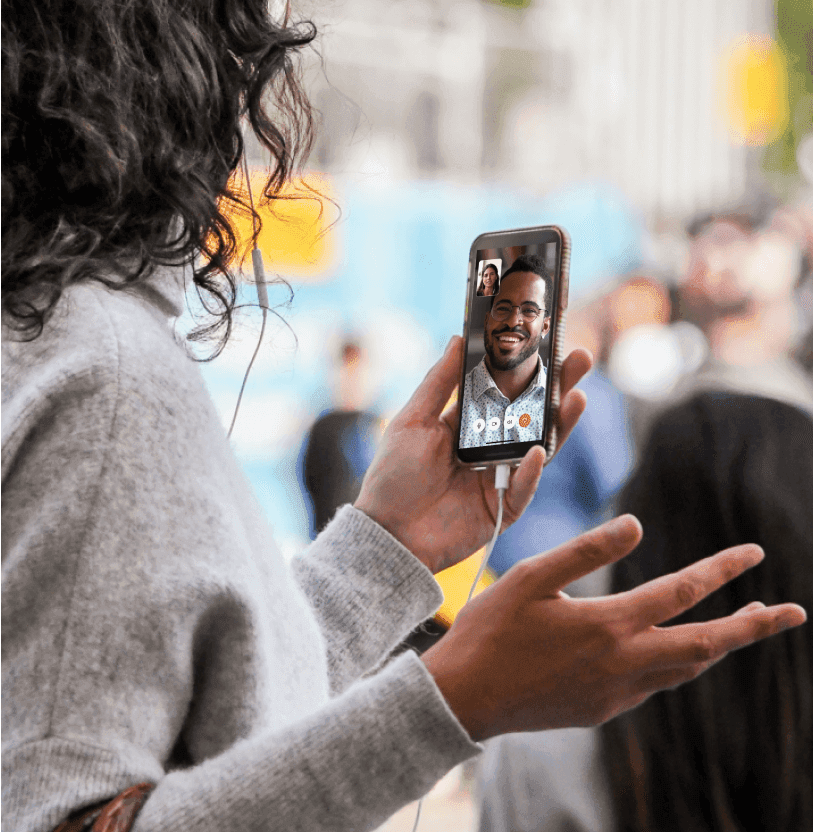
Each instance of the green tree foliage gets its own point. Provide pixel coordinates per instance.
(794, 34)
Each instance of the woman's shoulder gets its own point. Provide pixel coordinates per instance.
(97, 343)
(94, 328)
(73, 356)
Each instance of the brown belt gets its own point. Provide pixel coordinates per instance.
(117, 815)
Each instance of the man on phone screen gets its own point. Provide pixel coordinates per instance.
(504, 395)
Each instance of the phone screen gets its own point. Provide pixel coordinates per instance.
(511, 329)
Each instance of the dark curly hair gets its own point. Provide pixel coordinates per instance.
(121, 128)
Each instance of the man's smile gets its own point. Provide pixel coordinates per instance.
(510, 338)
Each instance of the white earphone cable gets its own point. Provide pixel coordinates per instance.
(262, 292)
(501, 478)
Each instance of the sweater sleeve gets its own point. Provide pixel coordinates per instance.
(385, 742)
(367, 591)
(346, 767)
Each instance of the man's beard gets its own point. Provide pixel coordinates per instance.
(531, 346)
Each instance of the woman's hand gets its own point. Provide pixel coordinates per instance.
(418, 491)
(523, 656)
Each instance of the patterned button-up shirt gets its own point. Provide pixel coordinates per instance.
(488, 417)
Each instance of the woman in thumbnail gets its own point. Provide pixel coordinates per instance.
(489, 281)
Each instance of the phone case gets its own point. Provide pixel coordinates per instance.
(558, 346)
(489, 239)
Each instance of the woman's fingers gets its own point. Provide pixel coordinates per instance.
(741, 629)
(434, 392)
(578, 557)
(570, 411)
(754, 605)
(451, 415)
(673, 677)
(668, 596)
(704, 643)
(523, 483)
(577, 364)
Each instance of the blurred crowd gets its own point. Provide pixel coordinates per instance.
(699, 422)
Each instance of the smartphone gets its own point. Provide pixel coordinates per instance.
(516, 299)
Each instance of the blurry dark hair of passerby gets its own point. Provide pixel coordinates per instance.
(734, 751)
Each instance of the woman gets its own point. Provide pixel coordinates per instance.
(153, 636)
(735, 750)
(489, 281)
(152, 632)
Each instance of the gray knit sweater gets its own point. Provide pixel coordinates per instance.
(152, 631)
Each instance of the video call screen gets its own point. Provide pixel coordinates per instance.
(508, 350)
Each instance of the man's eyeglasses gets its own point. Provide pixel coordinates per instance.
(503, 310)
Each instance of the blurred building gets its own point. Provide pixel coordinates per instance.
(538, 94)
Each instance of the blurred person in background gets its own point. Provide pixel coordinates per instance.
(741, 316)
(735, 751)
(740, 288)
(795, 222)
(159, 653)
(342, 442)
